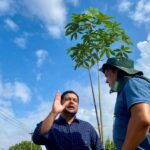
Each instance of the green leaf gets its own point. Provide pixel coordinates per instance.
(92, 62)
(127, 49)
(95, 56)
(119, 54)
(112, 52)
(117, 50)
(74, 35)
(86, 65)
(68, 32)
(92, 11)
(102, 54)
(125, 55)
(107, 54)
(69, 24)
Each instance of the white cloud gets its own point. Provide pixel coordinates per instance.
(139, 12)
(11, 127)
(11, 24)
(87, 115)
(16, 90)
(41, 56)
(143, 61)
(22, 91)
(142, 12)
(21, 42)
(6, 106)
(19, 128)
(124, 5)
(6, 7)
(148, 38)
(38, 77)
(74, 2)
(52, 13)
(54, 30)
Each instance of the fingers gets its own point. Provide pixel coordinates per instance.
(57, 96)
(65, 104)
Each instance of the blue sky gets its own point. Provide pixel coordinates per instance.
(34, 63)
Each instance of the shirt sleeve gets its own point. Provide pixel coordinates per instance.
(137, 90)
(38, 138)
(96, 143)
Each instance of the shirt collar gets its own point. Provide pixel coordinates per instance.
(119, 84)
(62, 120)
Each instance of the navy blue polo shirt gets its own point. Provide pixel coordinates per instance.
(80, 135)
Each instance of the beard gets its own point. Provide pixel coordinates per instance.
(68, 113)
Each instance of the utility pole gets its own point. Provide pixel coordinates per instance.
(31, 133)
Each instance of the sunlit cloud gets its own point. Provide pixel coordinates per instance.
(41, 56)
(6, 7)
(52, 14)
(138, 11)
(16, 90)
(143, 61)
(124, 5)
(142, 12)
(21, 42)
(73, 2)
(11, 24)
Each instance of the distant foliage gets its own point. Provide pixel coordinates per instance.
(109, 145)
(25, 145)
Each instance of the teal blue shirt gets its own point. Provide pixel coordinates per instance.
(134, 91)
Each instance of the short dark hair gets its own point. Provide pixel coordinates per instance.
(69, 91)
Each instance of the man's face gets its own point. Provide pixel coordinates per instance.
(111, 76)
(72, 106)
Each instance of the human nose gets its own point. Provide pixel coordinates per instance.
(71, 100)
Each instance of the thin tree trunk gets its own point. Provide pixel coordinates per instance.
(94, 104)
(100, 106)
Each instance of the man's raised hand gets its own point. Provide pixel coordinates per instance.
(58, 107)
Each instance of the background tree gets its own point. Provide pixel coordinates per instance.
(97, 36)
(109, 145)
(25, 145)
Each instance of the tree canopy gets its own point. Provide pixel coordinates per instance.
(96, 34)
(25, 145)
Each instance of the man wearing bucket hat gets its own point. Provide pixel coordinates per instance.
(131, 130)
(67, 132)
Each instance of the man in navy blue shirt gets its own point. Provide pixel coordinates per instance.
(131, 129)
(67, 132)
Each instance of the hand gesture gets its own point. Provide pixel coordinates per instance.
(57, 106)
